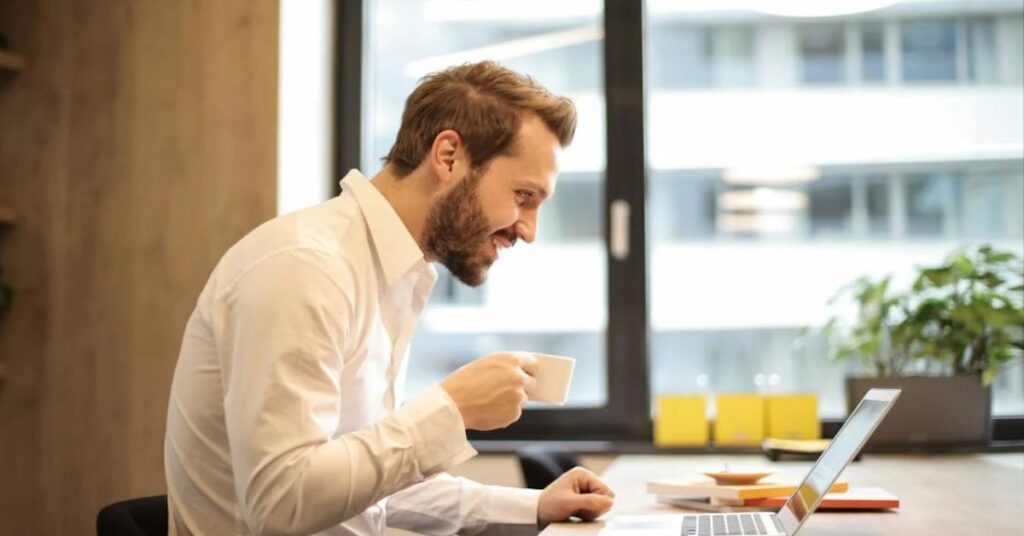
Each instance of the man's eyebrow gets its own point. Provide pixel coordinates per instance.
(541, 193)
(538, 189)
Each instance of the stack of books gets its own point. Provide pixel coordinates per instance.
(706, 495)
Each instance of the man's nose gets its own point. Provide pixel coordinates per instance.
(526, 227)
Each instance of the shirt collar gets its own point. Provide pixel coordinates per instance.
(396, 249)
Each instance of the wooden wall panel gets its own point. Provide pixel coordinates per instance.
(139, 145)
(33, 122)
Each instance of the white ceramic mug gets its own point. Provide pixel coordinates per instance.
(554, 376)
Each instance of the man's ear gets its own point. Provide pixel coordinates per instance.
(445, 155)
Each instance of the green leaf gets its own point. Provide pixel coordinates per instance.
(963, 265)
(1000, 317)
(1000, 257)
(938, 277)
(991, 280)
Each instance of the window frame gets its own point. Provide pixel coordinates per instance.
(626, 416)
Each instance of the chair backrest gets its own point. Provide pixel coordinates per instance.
(541, 466)
(146, 516)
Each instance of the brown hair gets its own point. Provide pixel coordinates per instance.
(484, 102)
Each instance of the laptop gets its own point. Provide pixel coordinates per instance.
(786, 522)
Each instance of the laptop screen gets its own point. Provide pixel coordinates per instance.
(844, 447)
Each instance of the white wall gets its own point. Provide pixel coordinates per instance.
(305, 111)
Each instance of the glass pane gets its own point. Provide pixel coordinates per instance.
(1009, 32)
(831, 205)
(715, 56)
(878, 205)
(732, 56)
(931, 203)
(676, 45)
(872, 43)
(983, 205)
(682, 204)
(929, 50)
(513, 310)
(981, 54)
(764, 200)
(822, 53)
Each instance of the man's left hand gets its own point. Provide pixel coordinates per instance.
(578, 493)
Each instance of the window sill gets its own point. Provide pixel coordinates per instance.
(639, 447)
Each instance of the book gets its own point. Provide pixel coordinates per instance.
(852, 499)
(708, 488)
(801, 446)
(801, 449)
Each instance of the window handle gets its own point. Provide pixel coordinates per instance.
(619, 243)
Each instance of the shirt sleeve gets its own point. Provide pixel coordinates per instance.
(281, 330)
(449, 505)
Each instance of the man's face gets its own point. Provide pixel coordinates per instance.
(491, 208)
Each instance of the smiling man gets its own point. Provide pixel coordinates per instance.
(284, 415)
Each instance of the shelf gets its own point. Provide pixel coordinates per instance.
(6, 216)
(10, 61)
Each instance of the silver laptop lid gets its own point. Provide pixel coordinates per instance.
(844, 447)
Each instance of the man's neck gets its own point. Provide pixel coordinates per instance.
(411, 197)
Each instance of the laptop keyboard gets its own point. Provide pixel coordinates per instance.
(723, 524)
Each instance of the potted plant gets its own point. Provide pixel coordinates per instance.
(943, 341)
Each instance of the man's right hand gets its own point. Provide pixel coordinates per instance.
(491, 391)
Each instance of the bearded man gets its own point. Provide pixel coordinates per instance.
(284, 414)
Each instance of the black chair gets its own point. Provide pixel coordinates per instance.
(146, 516)
(542, 466)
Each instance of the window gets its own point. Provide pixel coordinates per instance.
(822, 53)
(512, 311)
(391, 44)
(732, 53)
(684, 204)
(764, 161)
(872, 42)
(980, 47)
(931, 204)
(831, 206)
(878, 194)
(677, 45)
(929, 50)
(714, 56)
(765, 200)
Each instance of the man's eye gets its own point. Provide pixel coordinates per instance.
(524, 195)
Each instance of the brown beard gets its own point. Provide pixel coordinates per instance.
(457, 227)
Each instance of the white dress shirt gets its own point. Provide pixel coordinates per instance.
(284, 412)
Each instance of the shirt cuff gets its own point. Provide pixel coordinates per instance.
(512, 506)
(437, 430)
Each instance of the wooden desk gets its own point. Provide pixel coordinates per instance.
(939, 494)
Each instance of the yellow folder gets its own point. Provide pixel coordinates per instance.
(740, 419)
(793, 416)
(680, 420)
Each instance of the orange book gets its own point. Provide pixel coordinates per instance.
(853, 499)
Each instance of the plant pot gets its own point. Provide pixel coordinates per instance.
(931, 410)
